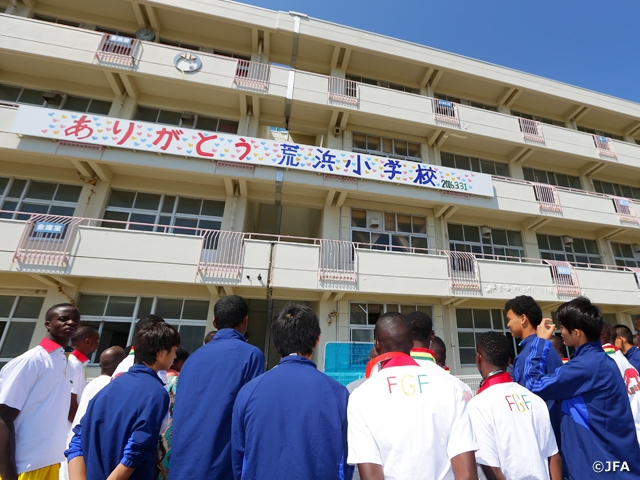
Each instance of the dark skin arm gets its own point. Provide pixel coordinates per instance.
(555, 467)
(464, 466)
(370, 471)
(73, 407)
(8, 469)
(492, 473)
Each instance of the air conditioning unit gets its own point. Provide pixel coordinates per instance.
(636, 248)
(52, 98)
(485, 231)
(337, 131)
(188, 119)
(375, 221)
(567, 241)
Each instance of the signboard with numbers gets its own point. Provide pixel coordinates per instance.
(172, 140)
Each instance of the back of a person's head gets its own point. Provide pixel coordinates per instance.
(154, 338)
(583, 315)
(440, 351)
(83, 333)
(421, 325)
(148, 320)
(229, 311)
(558, 345)
(295, 329)
(608, 335)
(525, 305)
(110, 359)
(210, 336)
(495, 348)
(624, 332)
(181, 354)
(393, 333)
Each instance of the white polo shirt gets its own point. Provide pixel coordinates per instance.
(76, 372)
(426, 358)
(506, 417)
(631, 380)
(409, 420)
(35, 383)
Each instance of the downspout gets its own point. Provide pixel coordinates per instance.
(236, 190)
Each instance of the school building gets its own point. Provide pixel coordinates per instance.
(157, 155)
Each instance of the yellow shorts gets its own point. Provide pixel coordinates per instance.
(44, 473)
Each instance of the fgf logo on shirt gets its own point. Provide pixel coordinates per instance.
(520, 402)
(408, 384)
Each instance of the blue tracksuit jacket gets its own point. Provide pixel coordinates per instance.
(596, 423)
(122, 425)
(209, 383)
(633, 355)
(291, 423)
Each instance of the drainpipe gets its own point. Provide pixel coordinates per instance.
(236, 191)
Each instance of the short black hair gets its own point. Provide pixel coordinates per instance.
(181, 354)
(154, 338)
(525, 305)
(210, 336)
(609, 334)
(59, 305)
(295, 330)
(83, 333)
(229, 311)
(624, 332)
(495, 347)
(147, 320)
(393, 333)
(581, 314)
(440, 350)
(421, 325)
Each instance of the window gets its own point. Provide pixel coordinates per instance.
(538, 118)
(396, 232)
(616, 189)
(388, 147)
(187, 120)
(473, 322)
(113, 316)
(59, 21)
(152, 208)
(363, 317)
(186, 46)
(600, 133)
(580, 252)
(18, 318)
(493, 245)
(382, 83)
(551, 178)
(61, 101)
(232, 55)
(480, 165)
(112, 31)
(624, 255)
(461, 101)
(17, 195)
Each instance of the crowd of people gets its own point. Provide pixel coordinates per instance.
(160, 413)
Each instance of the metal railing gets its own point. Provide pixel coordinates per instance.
(253, 75)
(338, 261)
(564, 277)
(445, 111)
(531, 130)
(604, 146)
(473, 381)
(624, 209)
(342, 90)
(118, 49)
(463, 270)
(547, 197)
(221, 255)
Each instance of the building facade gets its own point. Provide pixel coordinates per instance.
(156, 157)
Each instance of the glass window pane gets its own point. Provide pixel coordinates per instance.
(359, 140)
(499, 237)
(92, 305)
(555, 243)
(414, 150)
(9, 94)
(28, 307)
(77, 104)
(400, 147)
(404, 223)
(359, 218)
(212, 208)
(147, 201)
(99, 107)
(171, 118)
(447, 160)
(608, 188)
(475, 164)
(467, 356)
(18, 339)
(592, 247)
(488, 167)
(464, 318)
(227, 126)
(360, 237)
(41, 190)
(147, 114)
(68, 193)
(357, 314)
(481, 318)
(514, 238)
(209, 224)
(169, 308)
(189, 205)
(543, 242)
(578, 246)
(121, 306)
(626, 250)
(373, 143)
(406, 309)
(120, 216)
(496, 316)
(426, 309)
(471, 234)
(574, 182)
(33, 97)
(191, 337)
(419, 224)
(466, 339)
(168, 203)
(35, 208)
(455, 232)
(390, 222)
(562, 180)
(6, 304)
(387, 145)
(195, 310)
(419, 242)
(528, 174)
(144, 309)
(113, 334)
(361, 335)
(17, 187)
(144, 219)
(375, 310)
(502, 169)
(121, 199)
(3, 185)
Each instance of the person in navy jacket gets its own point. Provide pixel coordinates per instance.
(598, 433)
(209, 383)
(118, 436)
(624, 342)
(291, 422)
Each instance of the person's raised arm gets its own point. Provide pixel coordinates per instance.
(8, 468)
(370, 471)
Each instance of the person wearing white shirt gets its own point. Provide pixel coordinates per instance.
(506, 416)
(84, 342)
(34, 401)
(406, 422)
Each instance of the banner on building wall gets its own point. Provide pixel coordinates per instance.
(171, 140)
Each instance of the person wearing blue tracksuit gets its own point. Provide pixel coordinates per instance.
(209, 383)
(598, 434)
(291, 422)
(118, 435)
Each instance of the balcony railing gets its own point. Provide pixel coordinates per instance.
(338, 261)
(342, 90)
(564, 277)
(118, 50)
(445, 111)
(531, 130)
(253, 75)
(624, 209)
(604, 146)
(221, 255)
(47, 240)
(463, 271)
(547, 197)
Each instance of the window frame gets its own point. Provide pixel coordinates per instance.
(64, 97)
(477, 331)
(390, 233)
(381, 152)
(619, 257)
(23, 199)
(183, 123)
(557, 253)
(551, 178)
(539, 118)
(481, 245)
(470, 164)
(385, 309)
(13, 319)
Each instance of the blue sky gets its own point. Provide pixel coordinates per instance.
(588, 43)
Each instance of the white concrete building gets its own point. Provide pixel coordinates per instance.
(346, 180)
